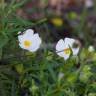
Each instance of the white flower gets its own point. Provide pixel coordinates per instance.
(29, 40)
(65, 47)
(91, 48)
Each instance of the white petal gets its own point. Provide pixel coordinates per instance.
(29, 32)
(75, 51)
(34, 49)
(36, 36)
(62, 54)
(24, 37)
(69, 41)
(22, 46)
(20, 38)
(61, 45)
(66, 56)
(36, 42)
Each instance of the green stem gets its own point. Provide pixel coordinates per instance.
(40, 21)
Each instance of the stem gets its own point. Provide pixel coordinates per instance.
(40, 21)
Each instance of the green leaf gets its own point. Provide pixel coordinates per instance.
(3, 40)
(13, 91)
(19, 68)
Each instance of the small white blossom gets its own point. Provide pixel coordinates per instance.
(29, 40)
(91, 49)
(65, 47)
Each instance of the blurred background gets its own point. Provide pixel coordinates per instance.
(63, 18)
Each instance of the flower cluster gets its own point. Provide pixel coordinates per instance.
(31, 41)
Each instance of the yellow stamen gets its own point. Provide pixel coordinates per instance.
(67, 51)
(27, 43)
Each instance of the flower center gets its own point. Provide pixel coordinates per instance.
(67, 51)
(27, 43)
